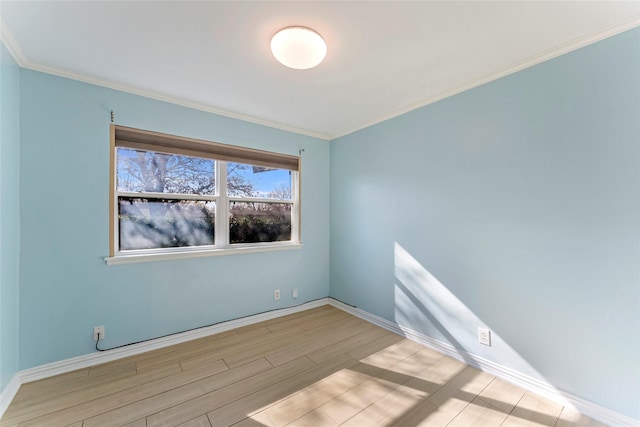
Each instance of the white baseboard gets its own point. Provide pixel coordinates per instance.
(590, 409)
(87, 360)
(584, 406)
(8, 393)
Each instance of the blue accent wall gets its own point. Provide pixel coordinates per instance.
(9, 214)
(66, 286)
(516, 206)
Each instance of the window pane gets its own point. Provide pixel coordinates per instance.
(148, 223)
(147, 171)
(259, 222)
(257, 181)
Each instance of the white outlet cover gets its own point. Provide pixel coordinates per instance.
(98, 330)
(484, 336)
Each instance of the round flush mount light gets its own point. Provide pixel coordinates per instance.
(300, 48)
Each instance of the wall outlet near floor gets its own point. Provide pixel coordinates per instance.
(484, 336)
(98, 332)
(276, 294)
(294, 293)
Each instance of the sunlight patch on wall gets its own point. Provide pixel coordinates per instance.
(423, 304)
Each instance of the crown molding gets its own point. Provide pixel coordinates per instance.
(609, 31)
(12, 45)
(562, 49)
(183, 102)
(23, 62)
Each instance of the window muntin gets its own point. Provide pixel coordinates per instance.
(171, 193)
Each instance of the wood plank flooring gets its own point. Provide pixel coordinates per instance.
(320, 367)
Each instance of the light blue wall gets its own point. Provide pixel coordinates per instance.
(9, 214)
(514, 205)
(66, 287)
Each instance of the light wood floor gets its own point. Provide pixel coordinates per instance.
(321, 367)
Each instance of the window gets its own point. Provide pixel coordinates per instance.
(185, 197)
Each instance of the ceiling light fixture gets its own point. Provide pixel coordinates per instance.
(298, 47)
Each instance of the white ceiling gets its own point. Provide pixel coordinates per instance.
(384, 57)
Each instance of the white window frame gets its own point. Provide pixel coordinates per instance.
(222, 200)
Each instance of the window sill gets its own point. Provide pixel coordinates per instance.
(151, 257)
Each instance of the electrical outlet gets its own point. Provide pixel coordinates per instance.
(484, 336)
(276, 294)
(294, 293)
(98, 332)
